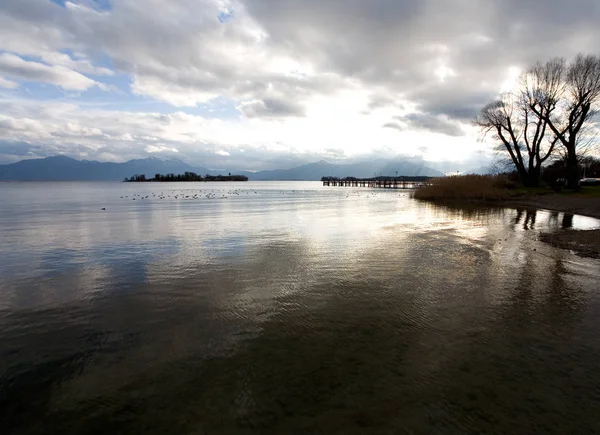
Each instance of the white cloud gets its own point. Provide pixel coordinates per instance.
(81, 65)
(31, 27)
(270, 108)
(7, 84)
(160, 149)
(305, 77)
(271, 56)
(331, 129)
(15, 67)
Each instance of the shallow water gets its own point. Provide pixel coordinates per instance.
(288, 308)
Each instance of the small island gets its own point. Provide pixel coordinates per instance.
(186, 176)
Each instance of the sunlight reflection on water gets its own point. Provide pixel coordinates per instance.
(288, 308)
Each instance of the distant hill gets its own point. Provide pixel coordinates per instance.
(61, 168)
(314, 171)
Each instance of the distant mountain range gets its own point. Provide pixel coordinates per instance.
(314, 171)
(62, 168)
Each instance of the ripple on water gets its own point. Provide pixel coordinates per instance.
(295, 309)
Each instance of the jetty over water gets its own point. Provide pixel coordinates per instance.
(381, 182)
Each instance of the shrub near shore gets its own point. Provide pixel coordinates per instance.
(466, 188)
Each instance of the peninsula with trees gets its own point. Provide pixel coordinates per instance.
(186, 176)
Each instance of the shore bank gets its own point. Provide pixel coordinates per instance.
(587, 206)
(479, 190)
(585, 243)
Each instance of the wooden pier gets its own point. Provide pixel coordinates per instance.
(377, 182)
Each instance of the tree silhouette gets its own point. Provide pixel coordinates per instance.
(554, 105)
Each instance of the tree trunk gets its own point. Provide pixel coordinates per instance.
(523, 175)
(573, 175)
(531, 181)
(534, 177)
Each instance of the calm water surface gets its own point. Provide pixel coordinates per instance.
(288, 308)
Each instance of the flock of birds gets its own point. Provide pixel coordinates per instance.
(192, 195)
(189, 195)
(198, 194)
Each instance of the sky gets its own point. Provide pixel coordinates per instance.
(262, 84)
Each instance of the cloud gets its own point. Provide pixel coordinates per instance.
(186, 61)
(15, 67)
(271, 107)
(81, 65)
(160, 149)
(418, 51)
(7, 84)
(425, 121)
(89, 132)
(304, 76)
(20, 149)
(31, 27)
(393, 125)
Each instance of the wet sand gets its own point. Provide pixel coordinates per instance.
(585, 206)
(584, 243)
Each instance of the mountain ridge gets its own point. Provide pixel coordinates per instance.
(64, 168)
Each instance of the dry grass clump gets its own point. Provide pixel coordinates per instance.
(466, 188)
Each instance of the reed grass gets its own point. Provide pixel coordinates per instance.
(466, 188)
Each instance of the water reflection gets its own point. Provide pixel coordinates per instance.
(411, 318)
(567, 221)
(527, 217)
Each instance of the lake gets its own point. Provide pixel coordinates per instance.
(289, 308)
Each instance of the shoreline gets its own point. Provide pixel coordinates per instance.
(183, 181)
(585, 243)
(585, 206)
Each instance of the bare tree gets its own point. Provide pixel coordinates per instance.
(574, 92)
(522, 134)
